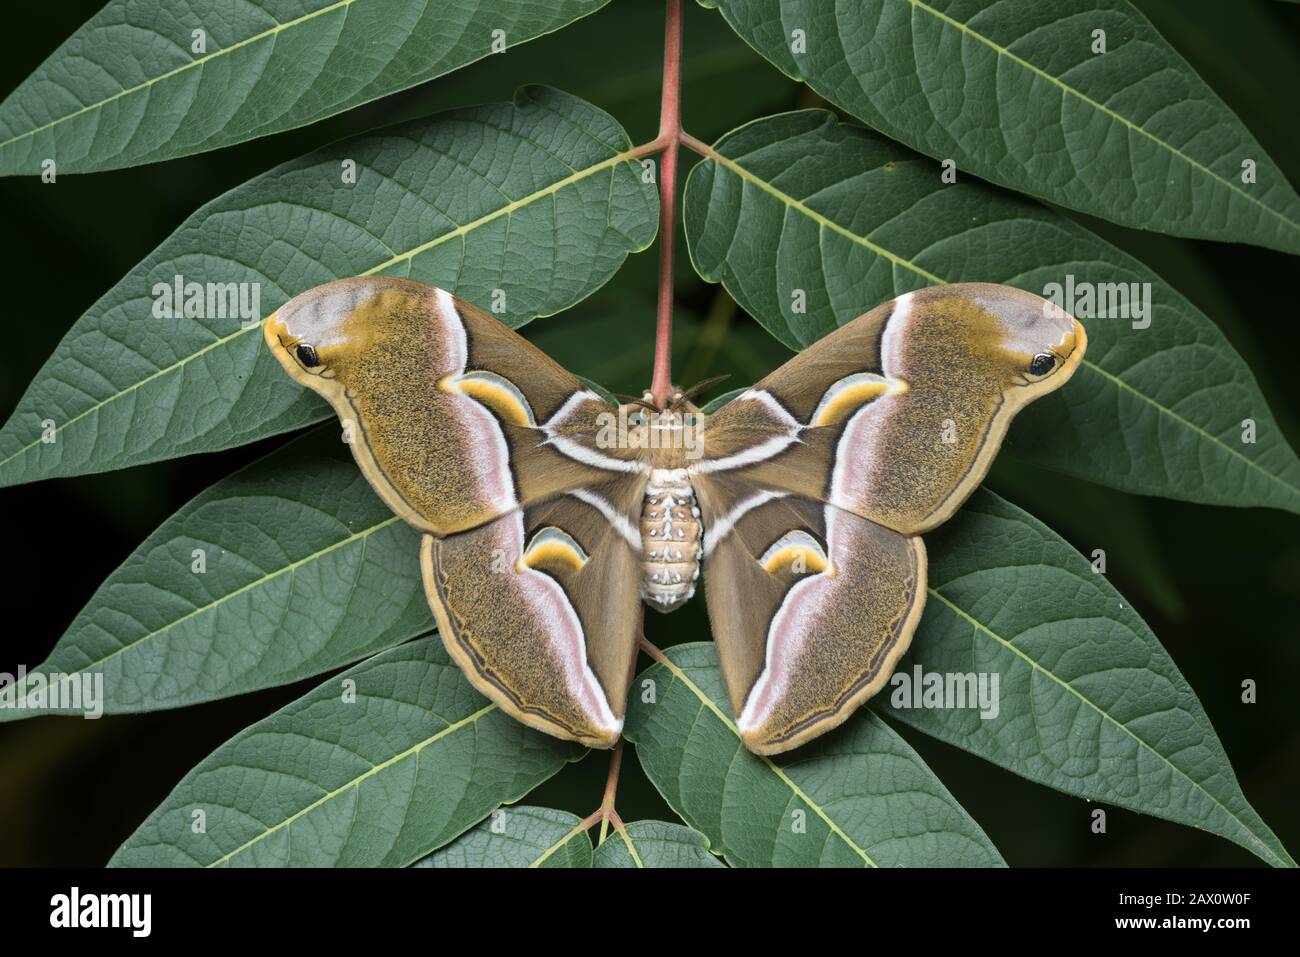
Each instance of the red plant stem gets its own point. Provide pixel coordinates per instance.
(607, 811)
(611, 779)
(670, 131)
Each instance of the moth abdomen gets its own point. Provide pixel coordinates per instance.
(670, 540)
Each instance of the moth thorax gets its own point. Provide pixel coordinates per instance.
(670, 540)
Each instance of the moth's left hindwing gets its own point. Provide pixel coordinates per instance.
(540, 609)
(475, 436)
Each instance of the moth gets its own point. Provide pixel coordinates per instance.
(549, 516)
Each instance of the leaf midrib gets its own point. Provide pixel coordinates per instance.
(710, 153)
(255, 583)
(966, 29)
(630, 844)
(817, 809)
(100, 104)
(1037, 666)
(506, 210)
(569, 835)
(356, 782)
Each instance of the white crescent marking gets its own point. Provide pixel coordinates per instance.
(490, 460)
(551, 533)
(795, 539)
(458, 346)
(501, 382)
(852, 473)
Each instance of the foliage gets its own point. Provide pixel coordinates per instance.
(397, 760)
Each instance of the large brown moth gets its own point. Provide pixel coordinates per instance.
(549, 516)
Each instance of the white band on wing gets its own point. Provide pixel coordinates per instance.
(577, 450)
(612, 515)
(721, 528)
(763, 450)
(563, 629)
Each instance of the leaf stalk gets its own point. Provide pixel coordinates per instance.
(669, 139)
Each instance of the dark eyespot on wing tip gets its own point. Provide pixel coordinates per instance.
(1042, 364)
(306, 354)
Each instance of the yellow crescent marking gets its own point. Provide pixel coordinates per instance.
(496, 393)
(554, 553)
(849, 394)
(796, 546)
(555, 547)
(814, 561)
(847, 400)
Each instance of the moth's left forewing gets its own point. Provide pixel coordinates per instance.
(449, 413)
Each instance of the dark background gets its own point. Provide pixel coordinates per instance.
(1219, 586)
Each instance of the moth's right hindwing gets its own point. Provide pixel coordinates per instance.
(811, 607)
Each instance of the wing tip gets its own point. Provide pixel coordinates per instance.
(765, 741)
(608, 736)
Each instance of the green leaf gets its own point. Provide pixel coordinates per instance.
(857, 797)
(303, 569)
(714, 405)
(1014, 93)
(655, 844)
(1088, 701)
(608, 397)
(799, 201)
(129, 87)
(415, 760)
(1087, 515)
(518, 837)
(724, 82)
(610, 339)
(537, 198)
